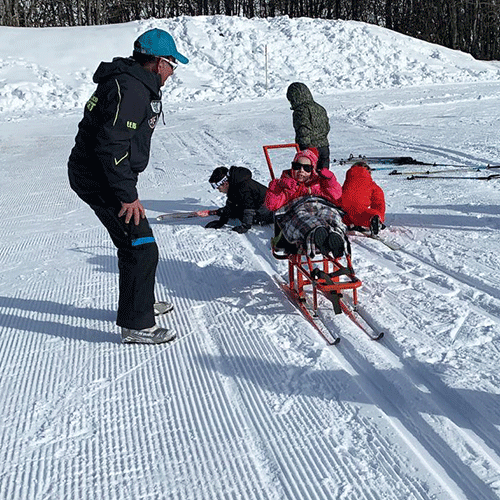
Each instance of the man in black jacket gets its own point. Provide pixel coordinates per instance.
(245, 199)
(111, 149)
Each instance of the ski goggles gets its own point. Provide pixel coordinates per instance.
(215, 185)
(173, 64)
(297, 166)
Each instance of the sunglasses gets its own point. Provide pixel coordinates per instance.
(215, 185)
(298, 166)
(173, 64)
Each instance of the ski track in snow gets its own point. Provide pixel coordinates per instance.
(481, 444)
(249, 402)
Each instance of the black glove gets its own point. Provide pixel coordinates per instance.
(215, 224)
(241, 229)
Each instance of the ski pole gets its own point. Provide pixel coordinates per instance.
(429, 172)
(485, 178)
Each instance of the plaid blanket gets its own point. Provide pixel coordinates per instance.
(300, 218)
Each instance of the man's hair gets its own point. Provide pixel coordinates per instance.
(143, 59)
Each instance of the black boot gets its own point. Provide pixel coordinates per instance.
(336, 245)
(321, 240)
(376, 225)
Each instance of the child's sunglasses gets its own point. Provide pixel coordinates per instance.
(298, 166)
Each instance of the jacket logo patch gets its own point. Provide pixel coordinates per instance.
(152, 121)
(156, 107)
(132, 125)
(91, 103)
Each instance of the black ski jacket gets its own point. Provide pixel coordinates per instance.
(114, 137)
(245, 198)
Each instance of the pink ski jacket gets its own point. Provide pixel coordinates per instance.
(286, 188)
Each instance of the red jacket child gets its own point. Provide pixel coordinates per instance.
(362, 199)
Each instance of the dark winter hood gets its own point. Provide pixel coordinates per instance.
(298, 94)
(238, 175)
(121, 65)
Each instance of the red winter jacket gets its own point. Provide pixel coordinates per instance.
(285, 189)
(361, 198)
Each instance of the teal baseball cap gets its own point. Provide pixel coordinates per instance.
(158, 43)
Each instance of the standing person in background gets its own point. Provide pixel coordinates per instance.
(362, 199)
(111, 148)
(310, 121)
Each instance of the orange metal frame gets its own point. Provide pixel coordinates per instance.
(276, 146)
(300, 270)
(301, 266)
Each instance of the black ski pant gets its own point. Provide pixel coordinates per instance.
(137, 261)
(324, 158)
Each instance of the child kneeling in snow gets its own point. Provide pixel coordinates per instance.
(306, 206)
(245, 199)
(362, 199)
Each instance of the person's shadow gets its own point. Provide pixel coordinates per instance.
(27, 315)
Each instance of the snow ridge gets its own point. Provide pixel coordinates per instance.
(227, 60)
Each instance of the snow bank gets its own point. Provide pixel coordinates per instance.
(227, 60)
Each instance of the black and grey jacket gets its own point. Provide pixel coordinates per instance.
(310, 119)
(114, 137)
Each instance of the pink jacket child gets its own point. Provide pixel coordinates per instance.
(307, 205)
(287, 188)
(362, 199)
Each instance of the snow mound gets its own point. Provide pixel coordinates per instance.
(231, 58)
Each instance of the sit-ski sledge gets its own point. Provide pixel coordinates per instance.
(332, 277)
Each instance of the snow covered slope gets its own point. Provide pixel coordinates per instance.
(249, 402)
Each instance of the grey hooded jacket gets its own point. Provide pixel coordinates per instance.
(310, 119)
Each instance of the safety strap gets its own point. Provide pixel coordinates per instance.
(320, 274)
(275, 239)
(334, 296)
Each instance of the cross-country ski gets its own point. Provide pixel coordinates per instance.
(186, 215)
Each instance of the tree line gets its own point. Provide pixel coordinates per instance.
(468, 25)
